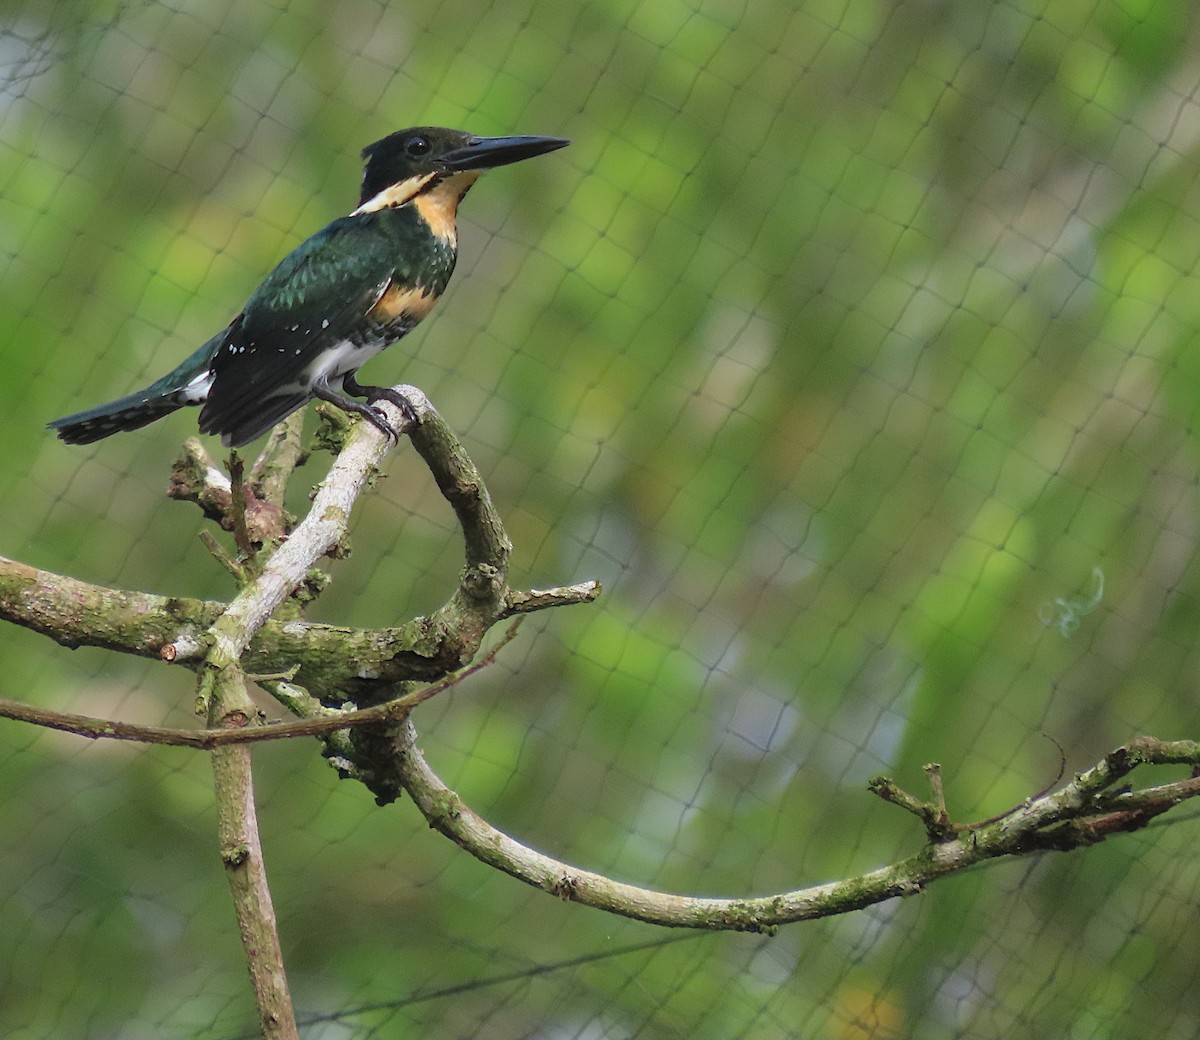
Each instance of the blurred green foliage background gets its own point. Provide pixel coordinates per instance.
(852, 345)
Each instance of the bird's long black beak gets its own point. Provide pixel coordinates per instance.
(482, 153)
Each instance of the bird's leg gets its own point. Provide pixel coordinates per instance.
(324, 392)
(381, 393)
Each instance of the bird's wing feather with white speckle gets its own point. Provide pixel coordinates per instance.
(303, 308)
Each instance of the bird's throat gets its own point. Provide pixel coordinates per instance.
(438, 204)
(434, 197)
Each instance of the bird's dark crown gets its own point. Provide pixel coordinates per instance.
(422, 151)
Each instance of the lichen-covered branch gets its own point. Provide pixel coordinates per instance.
(273, 469)
(194, 478)
(376, 743)
(317, 720)
(542, 599)
(254, 637)
(323, 528)
(1088, 809)
(241, 853)
(1092, 807)
(334, 663)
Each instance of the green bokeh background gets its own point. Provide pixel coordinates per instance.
(852, 345)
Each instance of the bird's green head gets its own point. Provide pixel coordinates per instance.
(407, 162)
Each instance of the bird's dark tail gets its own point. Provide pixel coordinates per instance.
(187, 384)
(126, 413)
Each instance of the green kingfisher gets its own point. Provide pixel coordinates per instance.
(335, 301)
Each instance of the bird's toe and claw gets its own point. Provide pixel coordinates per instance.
(372, 394)
(383, 393)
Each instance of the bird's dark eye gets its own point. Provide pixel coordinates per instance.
(417, 145)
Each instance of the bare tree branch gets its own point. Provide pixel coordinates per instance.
(221, 642)
(320, 722)
(1081, 813)
(222, 694)
(241, 853)
(324, 527)
(195, 478)
(542, 599)
(334, 662)
(377, 743)
(273, 469)
(337, 664)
